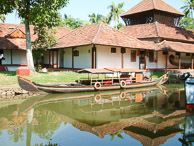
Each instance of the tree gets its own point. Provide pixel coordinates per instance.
(187, 22)
(120, 25)
(188, 8)
(72, 23)
(2, 18)
(95, 18)
(30, 10)
(115, 12)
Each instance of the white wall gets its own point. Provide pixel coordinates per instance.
(106, 59)
(84, 60)
(127, 60)
(18, 57)
(67, 58)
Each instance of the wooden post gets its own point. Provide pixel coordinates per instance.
(73, 59)
(122, 60)
(94, 57)
(57, 58)
(191, 61)
(145, 59)
(11, 57)
(53, 59)
(180, 61)
(166, 61)
(49, 58)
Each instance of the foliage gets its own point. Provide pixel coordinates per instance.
(187, 22)
(2, 18)
(43, 13)
(47, 123)
(115, 12)
(95, 18)
(120, 25)
(44, 41)
(17, 134)
(188, 7)
(72, 23)
(118, 134)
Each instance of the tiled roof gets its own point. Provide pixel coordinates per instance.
(177, 46)
(99, 34)
(157, 30)
(19, 43)
(146, 5)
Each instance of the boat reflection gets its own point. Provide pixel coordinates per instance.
(150, 115)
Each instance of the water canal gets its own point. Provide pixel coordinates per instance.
(150, 117)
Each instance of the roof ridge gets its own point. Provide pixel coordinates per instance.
(95, 36)
(157, 29)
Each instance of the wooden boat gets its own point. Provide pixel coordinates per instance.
(122, 81)
(189, 89)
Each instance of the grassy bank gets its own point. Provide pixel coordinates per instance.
(10, 78)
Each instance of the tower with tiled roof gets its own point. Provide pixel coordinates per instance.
(149, 11)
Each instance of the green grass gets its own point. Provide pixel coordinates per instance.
(158, 74)
(10, 78)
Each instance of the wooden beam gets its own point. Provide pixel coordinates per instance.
(57, 58)
(145, 59)
(166, 61)
(11, 56)
(94, 57)
(122, 60)
(53, 59)
(191, 61)
(180, 61)
(73, 58)
(49, 58)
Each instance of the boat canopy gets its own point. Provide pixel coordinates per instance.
(125, 70)
(96, 71)
(110, 70)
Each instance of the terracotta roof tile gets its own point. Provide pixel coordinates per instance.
(177, 46)
(99, 34)
(19, 43)
(146, 5)
(157, 30)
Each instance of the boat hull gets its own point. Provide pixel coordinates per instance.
(33, 87)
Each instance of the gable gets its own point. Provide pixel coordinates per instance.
(17, 33)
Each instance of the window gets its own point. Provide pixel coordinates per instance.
(165, 53)
(178, 54)
(113, 50)
(151, 56)
(133, 55)
(187, 54)
(123, 50)
(75, 53)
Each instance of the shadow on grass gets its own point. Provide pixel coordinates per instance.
(8, 73)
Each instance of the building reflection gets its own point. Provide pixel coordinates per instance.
(150, 115)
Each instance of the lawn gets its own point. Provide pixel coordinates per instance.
(10, 78)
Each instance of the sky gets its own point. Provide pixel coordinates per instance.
(82, 8)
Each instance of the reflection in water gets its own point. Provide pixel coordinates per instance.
(150, 116)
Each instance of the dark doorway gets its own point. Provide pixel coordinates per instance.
(142, 60)
(1, 52)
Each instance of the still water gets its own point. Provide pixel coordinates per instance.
(149, 116)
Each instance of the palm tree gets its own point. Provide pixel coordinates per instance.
(189, 7)
(115, 12)
(95, 18)
(2, 18)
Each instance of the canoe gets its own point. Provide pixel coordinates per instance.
(96, 86)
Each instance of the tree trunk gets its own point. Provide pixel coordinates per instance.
(29, 57)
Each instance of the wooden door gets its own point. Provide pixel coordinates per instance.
(142, 60)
